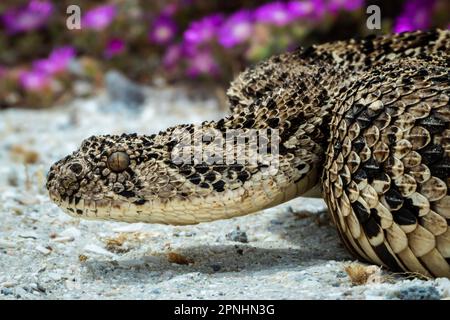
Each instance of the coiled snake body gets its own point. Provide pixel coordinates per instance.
(365, 123)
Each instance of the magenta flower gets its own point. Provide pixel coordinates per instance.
(299, 9)
(57, 61)
(114, 47)
(30, 17)
(416, 15)
(34, 80)
(276, 13)
(172, 56)
(203, 30)
(306, 9)
(202, 63)
(163, 30)
(348, 5)
(236, 29)
(99, 17)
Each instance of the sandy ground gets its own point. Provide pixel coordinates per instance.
(287, 252)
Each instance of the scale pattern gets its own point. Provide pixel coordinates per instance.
(365, 123)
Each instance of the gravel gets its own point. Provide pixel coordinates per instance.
(237, 235)
(287, 252)
(418, 293)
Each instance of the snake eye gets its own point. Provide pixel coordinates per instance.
(76, 168)
(118, 161)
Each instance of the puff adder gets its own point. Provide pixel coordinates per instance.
(365, 123)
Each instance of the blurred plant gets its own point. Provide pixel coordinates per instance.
(35, 80)
(29, 17)
(236, 29)
(276, 13)
(176, 40)
(163, 30)
(416, 15)
(99, 17)
(203, 30)
(57, 61)
(114, 47)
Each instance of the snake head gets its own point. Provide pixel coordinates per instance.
(103, 173)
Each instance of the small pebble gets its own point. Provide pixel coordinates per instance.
(216, 267)
(184, 234)
(27, 200)
(156, 291)
(43, 250)
(71, 232)
(63, 239)
(92, 248)
(6, 291)
(7, 244)
(237, 235)
(276, 222)
(8, 284)
(418, 293)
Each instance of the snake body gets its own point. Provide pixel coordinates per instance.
(364, 123)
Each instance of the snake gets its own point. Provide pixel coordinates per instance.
(363, 123)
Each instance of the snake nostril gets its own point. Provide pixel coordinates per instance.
(76, 168)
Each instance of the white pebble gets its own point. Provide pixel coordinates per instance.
(71, 232)
(63, 239)
(92, 248)
(7, 244)
(43, 250)
(8, 284)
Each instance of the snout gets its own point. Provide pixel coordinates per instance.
(63, 178)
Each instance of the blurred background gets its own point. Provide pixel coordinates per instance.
(51, 52)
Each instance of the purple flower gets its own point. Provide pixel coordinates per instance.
(30, 17)
(348, 5)
(300, 8)
(306, 9)
(57, 61)
(172, 56)
(236, 29)
(34, 80)
(202, 63)
(99, 17)
(416, 15)
(276, 13)
(163, 30)
(203, 30)
(114, 47)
